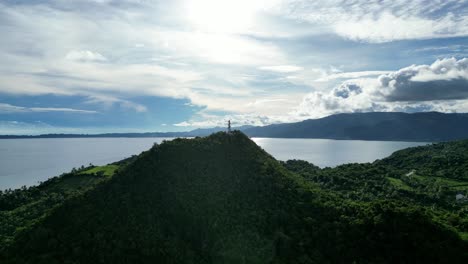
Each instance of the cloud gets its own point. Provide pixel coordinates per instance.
(114, 51)
(109, 101)
(218, 48)
(346, 90)
(281, 68)
(389, 27)
(267, 101)
(445, 79)
(349, 75)
(236, 121)
(52, 61)
(441, 86)
(85, 56)
(8, 108)
(381, 21)
(39, 127)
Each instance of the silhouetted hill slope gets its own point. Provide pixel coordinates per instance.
(429, 126)
(222, 199)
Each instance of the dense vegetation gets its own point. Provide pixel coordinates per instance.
(222, 199)
(20, 209)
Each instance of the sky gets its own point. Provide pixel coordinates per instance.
(95, 66)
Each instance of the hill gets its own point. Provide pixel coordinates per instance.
(222, 199)
(428, 126)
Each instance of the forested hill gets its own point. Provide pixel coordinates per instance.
(222, 199)
(429, 126)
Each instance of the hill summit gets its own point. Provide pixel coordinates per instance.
(222, 199)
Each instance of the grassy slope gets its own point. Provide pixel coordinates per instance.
(107, 170)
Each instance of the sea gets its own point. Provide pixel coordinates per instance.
(26, 162)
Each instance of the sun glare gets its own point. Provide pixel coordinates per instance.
(222, 16)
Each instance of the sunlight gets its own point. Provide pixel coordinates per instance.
(223, 16)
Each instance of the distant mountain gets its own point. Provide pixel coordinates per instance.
(199, 132)
(222, 199)
(427, 126)
(386, 126)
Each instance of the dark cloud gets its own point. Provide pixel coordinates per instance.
(441, 86)
(347, 89)
(429, 91)
(445, 79)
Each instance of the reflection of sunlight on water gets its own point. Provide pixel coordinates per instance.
(330, 153)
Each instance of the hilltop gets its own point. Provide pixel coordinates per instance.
(222, 199)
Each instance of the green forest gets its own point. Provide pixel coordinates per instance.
(222, 199)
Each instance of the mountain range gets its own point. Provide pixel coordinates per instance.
(385, 126)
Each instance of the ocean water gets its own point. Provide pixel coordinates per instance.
(30, 161)
(330, 153)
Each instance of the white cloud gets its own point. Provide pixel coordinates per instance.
(349, 75)
(381, 21)
(108, 101)
(218, 47)
(183, 124)
(137, 107)
(8, 108)
(282, 68)
(267, 101)
(441, 86)
(85, 56)
(236, 121)
(38, 61)
(39, 127)
(388, 27)
(112, 53)
(442, 80)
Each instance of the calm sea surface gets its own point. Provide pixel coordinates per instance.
(29, 161)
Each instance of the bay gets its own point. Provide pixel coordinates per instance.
(30, 161)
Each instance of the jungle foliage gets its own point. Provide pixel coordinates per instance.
(222, 199)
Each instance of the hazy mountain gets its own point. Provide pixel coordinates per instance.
(429, 126)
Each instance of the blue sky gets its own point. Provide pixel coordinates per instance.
(92, 66)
